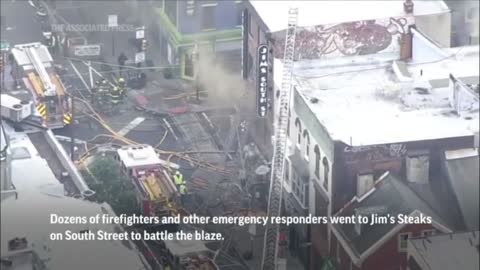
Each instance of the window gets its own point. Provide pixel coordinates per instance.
(250, 65)
(190, 7)
(240, 10)
(189, 65)
(299, 128)
(250, 24)
(299, 188)
(427, 233)
(316, 150)
(171, 11)
(288, 124)
(287, 172)
(208, 17)
(307, 144)
(403, 241)
(326, 172)
(259, 32)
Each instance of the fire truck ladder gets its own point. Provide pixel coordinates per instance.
(49, 88)
(270, 249)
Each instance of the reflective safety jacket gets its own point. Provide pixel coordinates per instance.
(178, 179)
(115, 95)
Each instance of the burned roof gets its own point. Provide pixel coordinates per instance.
(390, 196)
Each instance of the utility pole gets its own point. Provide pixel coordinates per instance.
(72, 137)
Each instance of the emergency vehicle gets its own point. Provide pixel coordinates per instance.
(156, 192)
(34, 68)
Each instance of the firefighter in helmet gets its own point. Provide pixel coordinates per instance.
(115, 96)
(122, 86)
(51, 41)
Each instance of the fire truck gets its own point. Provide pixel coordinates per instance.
(33, 69)
(156, 191)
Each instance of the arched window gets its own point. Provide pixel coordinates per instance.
(316, 150)
(307, 144)
(299, 128)
(288, 125)
(326, 172)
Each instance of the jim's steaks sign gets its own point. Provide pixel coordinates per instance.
(262, 81)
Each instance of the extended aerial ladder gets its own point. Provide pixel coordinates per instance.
(270, 250)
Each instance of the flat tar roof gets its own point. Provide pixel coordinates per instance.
(29, 216)
(365, 104)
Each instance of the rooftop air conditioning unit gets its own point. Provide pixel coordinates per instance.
(137, 155)
(15, 109)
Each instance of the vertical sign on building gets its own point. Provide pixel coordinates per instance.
(262, 80)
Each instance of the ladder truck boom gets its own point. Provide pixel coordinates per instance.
(270, 250)
(49, 88)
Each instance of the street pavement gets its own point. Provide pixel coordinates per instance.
(20, 24)
(156, 93)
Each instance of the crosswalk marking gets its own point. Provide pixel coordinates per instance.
(135, 122)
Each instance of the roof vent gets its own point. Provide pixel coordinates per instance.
(17, 244)
(314, 100)
(417, 166)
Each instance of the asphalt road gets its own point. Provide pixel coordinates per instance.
(20, 24)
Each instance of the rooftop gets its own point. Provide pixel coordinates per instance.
(34, 224)
(462, 250)
(390, 196)
(142, 155)
(362, 100)
(275, 13)
(463, 177)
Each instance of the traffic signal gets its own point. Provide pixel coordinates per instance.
(1, 62)
(144, 45)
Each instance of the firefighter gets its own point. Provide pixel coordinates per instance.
(183, 193)
(178, 179)
(115, 96)
(121, 85)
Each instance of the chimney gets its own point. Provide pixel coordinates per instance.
(408, 6)
(418, 166)
(364, 183)
(406, 40)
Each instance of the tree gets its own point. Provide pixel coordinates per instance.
(111, 186)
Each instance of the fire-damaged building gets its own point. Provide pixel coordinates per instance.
(384, 136)
(332, 30)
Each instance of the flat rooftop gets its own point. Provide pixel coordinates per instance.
(275, 13)
(34, 224)
(141, 155)
(363, 102)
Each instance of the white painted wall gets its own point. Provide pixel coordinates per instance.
(292, 141)
(437, 27)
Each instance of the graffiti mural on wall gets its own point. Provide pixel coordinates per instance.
(347, 39)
